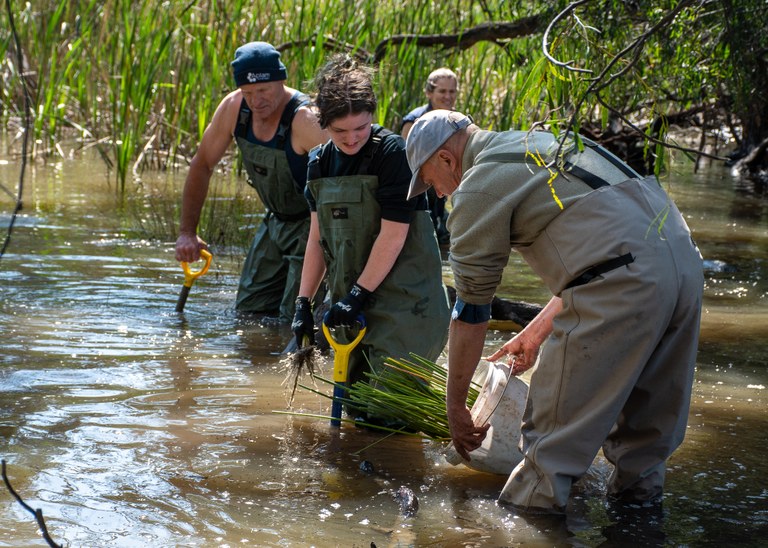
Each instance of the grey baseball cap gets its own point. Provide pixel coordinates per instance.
(427, 134)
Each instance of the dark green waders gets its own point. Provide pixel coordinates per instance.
(409, 311)
(272, 269)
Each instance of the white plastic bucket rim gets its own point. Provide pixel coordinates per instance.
(501, 402)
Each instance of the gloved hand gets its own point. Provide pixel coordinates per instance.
(345, 312)
(303, 324)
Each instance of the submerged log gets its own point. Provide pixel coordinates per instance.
(518, 312)
(505, 314)
(754, 167)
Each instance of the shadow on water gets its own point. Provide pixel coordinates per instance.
(129, 424)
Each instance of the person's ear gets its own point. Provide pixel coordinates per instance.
(444, 156)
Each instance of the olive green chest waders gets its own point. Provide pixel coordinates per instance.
(409, 311)
(272, 269)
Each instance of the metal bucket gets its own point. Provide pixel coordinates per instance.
(501, 403)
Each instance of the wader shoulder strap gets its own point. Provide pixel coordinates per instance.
(243, 120)
(318, 162)
(621, 166)
(591, 179)
(373, 148)
(588, 177)
(296, 102)
(314, 170)
(286, 119)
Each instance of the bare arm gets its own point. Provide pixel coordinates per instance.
(306, 133)
(216, 140)
(384, 253)
(465, 347)
(524, 347)
(406, 129)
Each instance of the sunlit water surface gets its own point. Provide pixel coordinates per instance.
(131, 425)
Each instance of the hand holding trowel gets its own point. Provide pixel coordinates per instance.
(341, 354)
(190, 277)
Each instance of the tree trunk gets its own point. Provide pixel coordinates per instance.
(749, 86)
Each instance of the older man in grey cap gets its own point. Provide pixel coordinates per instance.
(619, 337)
(274, 129)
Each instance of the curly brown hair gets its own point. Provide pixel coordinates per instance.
(343, 86)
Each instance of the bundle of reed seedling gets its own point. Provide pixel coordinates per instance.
(406, 395)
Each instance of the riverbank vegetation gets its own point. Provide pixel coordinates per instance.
(139, 80)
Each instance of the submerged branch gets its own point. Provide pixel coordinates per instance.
(753, 163)
(37, 513)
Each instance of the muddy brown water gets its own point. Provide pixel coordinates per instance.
(131, 425)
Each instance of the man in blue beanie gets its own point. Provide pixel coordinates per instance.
(275, 129)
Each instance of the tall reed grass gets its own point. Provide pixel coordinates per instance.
(141, 79)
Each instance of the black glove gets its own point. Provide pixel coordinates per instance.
(303, 324)
(345, 312)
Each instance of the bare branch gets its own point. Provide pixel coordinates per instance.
(597, 82)
(27, 110)
(545, 40)
(495, 32)
(329, 44)
(653, 139)
(637, 45)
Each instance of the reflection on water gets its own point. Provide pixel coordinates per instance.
(129, 424)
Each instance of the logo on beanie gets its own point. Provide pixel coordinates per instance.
(258, 77)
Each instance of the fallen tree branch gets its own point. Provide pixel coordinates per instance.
(752, 160)
(328, 43)
(519, 313)
(495, 32)
(652, 139)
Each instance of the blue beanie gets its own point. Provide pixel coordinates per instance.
(257, 62)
